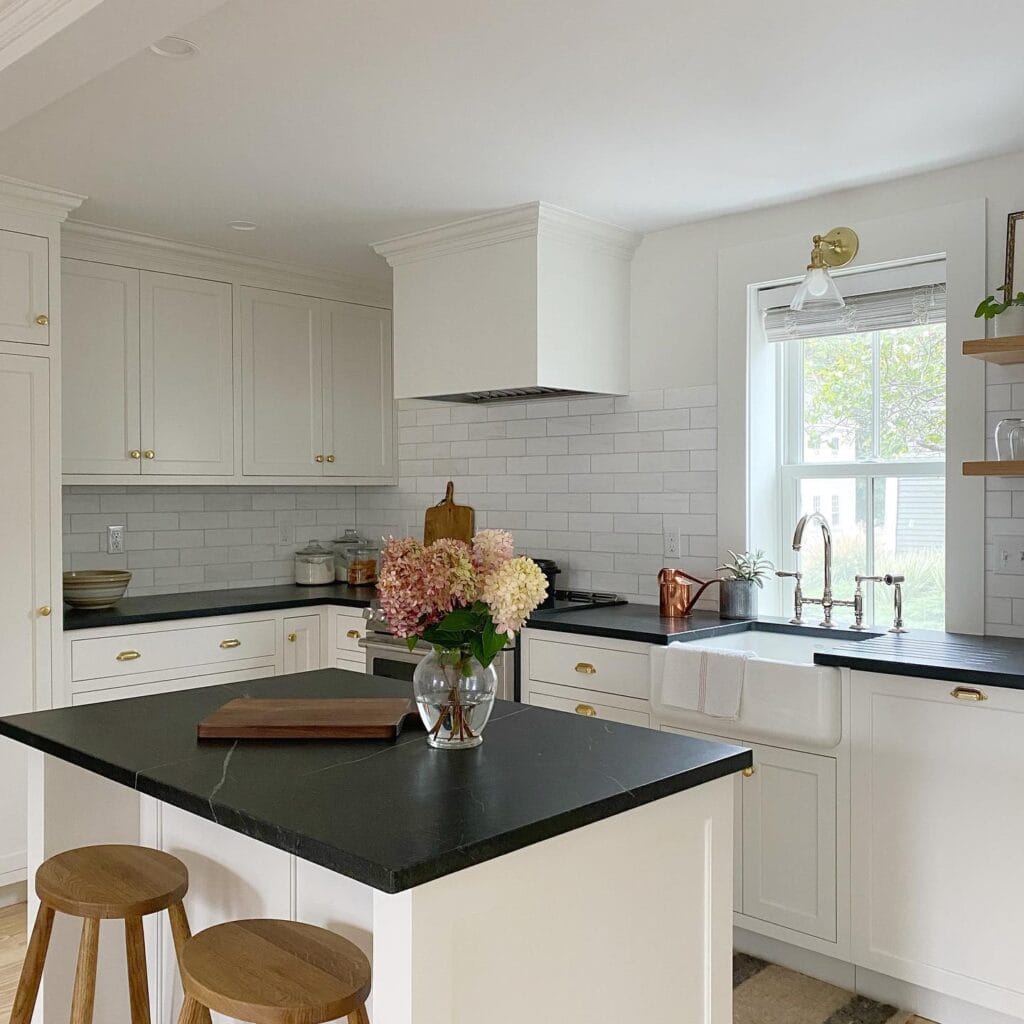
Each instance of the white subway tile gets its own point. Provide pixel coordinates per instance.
(639, 523)
(548, 483)
(690, 440)
(592, 522)
(591, 406)
(547, 445)
(528, 464)
(614, 503)
(433, 416)
(507, 446)
(663, 462)
(152, 520)
(592, 444)
(568, 464)
(638, 483)
(665, 419)
(593, 483)
(547, 520)
(614, 542)
(451, 432)
(569, 502)
(547, 408)
(563, 425)
(640, 401)
(623, 462)
(614, 423)
(527, 428)
(487, 430)
(684, 398)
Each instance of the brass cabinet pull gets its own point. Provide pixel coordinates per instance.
(748, 772)
(45, 610)
(292, 637)
(586, 710)
(585, 668)
(318, 458)
(330, 458)
(967, 693)
(42, 320)
(149, 454)
(135, 453)
(129, 656)
(353, 634)
(228, 644)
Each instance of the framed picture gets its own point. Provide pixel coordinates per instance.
(1014, 275)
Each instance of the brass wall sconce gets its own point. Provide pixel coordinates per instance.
(818, 290)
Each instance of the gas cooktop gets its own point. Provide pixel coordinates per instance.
(579, 600)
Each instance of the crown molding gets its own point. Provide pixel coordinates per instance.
(86, 241)
(23, 18)
(38, 200)
(531, 220)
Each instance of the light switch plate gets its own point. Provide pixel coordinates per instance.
(1008, 555)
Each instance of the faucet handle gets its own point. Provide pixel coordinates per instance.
(889, 580)
(793, 575)
(868, 579)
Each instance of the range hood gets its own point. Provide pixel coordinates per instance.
(527, 302)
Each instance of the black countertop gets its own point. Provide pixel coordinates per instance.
(205, 603)
(929, 654)
(390, 814)
(639, 622)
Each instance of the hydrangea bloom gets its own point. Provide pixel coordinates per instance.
(490, 549)
(512, 592)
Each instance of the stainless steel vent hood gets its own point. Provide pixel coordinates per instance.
(525, 302)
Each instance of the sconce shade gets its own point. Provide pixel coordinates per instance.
(817, 291)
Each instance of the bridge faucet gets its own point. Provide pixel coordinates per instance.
(826, 600)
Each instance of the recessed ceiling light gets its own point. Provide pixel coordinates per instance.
(174, 47)
(243, 225)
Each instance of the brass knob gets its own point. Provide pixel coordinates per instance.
(318, 458)
(228, 644)
(586, 669)
(292, 637)
(129, 656)
(135, 453)
(586, 710)
(968, 693)
(748, 772)
(45, 610)
(149, 454)
(42, 320)
(353, 634)
(330, 458)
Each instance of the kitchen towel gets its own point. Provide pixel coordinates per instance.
(688, 678)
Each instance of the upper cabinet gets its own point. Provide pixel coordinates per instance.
(24, 288)
(316, 388)
(148, 387)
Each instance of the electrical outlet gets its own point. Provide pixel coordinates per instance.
(671, 547)
(287, 535)
(115, 540)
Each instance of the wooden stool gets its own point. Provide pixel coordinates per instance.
(96, 883)
(274, 972)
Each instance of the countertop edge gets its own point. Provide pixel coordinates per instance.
(921, 670)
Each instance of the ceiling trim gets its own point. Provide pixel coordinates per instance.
(19, 18)
(86, 241)
(530, 220)
(41, 200)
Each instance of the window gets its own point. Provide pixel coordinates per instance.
(862, 432)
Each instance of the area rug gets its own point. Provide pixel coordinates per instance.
(764, 993)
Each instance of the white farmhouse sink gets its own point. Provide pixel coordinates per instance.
(787, 699)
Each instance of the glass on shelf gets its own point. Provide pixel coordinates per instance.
(1009, 438)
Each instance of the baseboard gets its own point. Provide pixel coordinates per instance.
(16, 892)
(804, 961)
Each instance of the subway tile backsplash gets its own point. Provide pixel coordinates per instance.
(591, 482)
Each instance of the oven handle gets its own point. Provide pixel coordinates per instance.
(383, 643)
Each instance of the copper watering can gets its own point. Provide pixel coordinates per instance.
(675, 585)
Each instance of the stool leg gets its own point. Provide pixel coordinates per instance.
(181, 933)
(85, 973)
(359, 1016)
(138, 981)
(32, 969)
(192, 1011)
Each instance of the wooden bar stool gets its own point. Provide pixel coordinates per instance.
(274, 972)
(97, 883)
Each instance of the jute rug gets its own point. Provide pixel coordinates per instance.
(766, 994)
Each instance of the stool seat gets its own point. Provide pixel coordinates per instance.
(111, 881)
(275, 972)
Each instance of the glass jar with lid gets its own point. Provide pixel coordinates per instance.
(349, 542)
(314, 565)
(361, 569)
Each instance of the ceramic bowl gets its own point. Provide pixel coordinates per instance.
(95, 588)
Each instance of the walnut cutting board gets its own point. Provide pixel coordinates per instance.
(349, 718)
(446, 519)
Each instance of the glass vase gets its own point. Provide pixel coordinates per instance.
(454, 694)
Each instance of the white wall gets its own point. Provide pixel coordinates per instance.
(676, 314)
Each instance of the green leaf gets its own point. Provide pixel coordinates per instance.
(411, 641)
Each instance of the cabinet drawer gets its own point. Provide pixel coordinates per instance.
(591, 710)
(350, 630)
(134, 653)
(597, 668)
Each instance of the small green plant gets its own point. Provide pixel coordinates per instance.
(751, 565)
(989, 308)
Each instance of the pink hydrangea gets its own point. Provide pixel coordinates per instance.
(490, 549)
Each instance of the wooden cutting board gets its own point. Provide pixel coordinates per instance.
(446, 519)
(350, 718)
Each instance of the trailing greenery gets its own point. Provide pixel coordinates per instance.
(752, 566)
(990, 309)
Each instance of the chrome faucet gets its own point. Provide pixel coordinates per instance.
(826, 600)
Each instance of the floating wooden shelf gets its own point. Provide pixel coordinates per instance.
(995, 467)
(997, 350)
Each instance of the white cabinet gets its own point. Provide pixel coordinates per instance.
(302, 643)
(316, 388)
(937, 836)
(582, 703)
(24, 288)
(148, 388)
(26, 625)
(349, 628)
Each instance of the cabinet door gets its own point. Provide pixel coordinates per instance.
(789, 841)
(358, 391)
(580, 705)
(25, 581)
(186, 376)
(301, 643)
(24, 288)
(100, 371)
(282, 386)
(937, 836)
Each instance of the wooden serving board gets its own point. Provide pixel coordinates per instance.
(350, 718)
(446, 519)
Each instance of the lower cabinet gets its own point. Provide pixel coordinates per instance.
(582, 702)
(349, 627)
(302, 643)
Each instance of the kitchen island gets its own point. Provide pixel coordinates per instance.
(566, 870)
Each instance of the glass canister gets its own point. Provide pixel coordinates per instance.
(1009, 438)
(314, 565)
(349, 542)
(362, 566)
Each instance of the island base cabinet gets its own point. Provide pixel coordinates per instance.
(937, 836)
(302, 643)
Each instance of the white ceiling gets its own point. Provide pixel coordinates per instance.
(335, 124)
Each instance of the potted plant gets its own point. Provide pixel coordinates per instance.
(738, 594)
(1008, 315)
